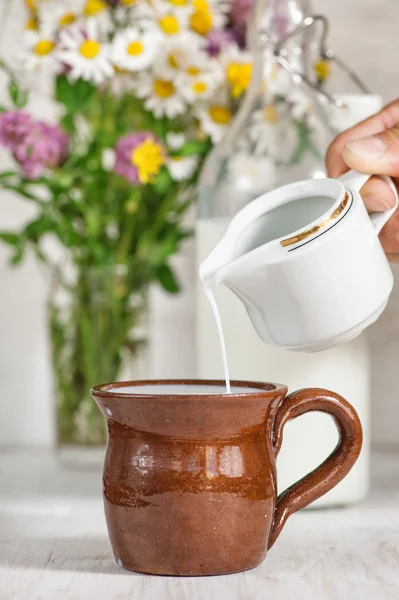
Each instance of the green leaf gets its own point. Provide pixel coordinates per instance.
(18, 256)
(192, 147)
(302, 143)
(18, 96)
(305, 144)
(167, 279)
(35, 229)
(19, 189)
(16, 242)
(74, 96)
(162, 181)
(2, 109)
(13, 239)
(6, 174)
(68, 123)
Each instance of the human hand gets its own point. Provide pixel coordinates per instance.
(372, 147)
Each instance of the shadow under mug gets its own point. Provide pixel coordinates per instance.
(190, 478)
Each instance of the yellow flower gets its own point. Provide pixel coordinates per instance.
(93, 7)
(44, 47)
(31, 25)
(201, 5)
(214, 120)
(200, 87)
(220, 114)
(31, 5)
(67, 19)
(239, 77)
(163, 88)
(128, 2)
(135, 48)
(90, 48)
(169, 25)
(173, 61)
(271, 114)
(201, 21)
(322, 70)
(148, 158)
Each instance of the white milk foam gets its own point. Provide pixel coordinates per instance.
(180, 389)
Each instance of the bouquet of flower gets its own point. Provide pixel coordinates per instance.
(145, 88)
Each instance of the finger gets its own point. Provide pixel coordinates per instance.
(387, 118)
(377, 195)
(377, 154)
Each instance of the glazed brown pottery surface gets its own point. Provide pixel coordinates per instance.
(190, 481)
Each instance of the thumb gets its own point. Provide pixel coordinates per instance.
(377, 154)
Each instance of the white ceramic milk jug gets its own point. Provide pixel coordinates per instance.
(306, 261)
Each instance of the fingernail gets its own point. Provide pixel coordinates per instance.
(369, 148)
(375, 203)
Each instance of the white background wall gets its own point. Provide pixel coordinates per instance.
(365, 32)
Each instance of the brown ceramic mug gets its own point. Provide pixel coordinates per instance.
(190, 479)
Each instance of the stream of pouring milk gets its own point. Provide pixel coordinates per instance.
(209, 294)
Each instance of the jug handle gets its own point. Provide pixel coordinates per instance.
(355, 181)
(333, 469)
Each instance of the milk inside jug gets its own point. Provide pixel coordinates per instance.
(344, 369)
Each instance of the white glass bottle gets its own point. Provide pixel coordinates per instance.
(279, 135)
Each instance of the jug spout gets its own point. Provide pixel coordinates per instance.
(212, 268)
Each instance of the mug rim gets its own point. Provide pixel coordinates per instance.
(265, 389)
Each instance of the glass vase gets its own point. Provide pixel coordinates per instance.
(281, 129)
(98, 333)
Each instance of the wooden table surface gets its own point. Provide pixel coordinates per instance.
(53, 545)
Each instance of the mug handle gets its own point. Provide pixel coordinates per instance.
(355, 181)
(333, 469)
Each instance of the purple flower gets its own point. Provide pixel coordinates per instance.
(44, 146)
(139, 157)
(14, 127)
(35, 145)
(240, 13)
(217, 40)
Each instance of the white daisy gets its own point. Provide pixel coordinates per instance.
(169, 22)
(207, 15)
(175, 141)
(136, 13)
(39, 50)
(181, 55)
(122, 83)
(108, 159)
(59, 13)
(237, 66)
(214, 119)
(253, 173)
(134, 51)
(184, 7)
(278, 81)
(197, 88)
(99, 12)
(160, 95)
(273, 132)
(181, 167)
(31, 24)
(87, 57)
(301, 104)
